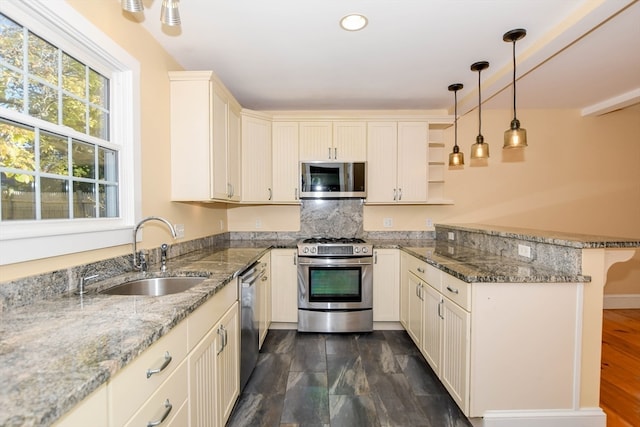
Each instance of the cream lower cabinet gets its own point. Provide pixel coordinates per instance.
(386, 285)
(92, 411)
(438, 326)
(284, 285)
(214, 382)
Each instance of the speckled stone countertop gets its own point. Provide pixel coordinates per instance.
(54, 353)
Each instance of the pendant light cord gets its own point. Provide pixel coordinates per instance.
(455, 100)
(479, 104)
(514, 80)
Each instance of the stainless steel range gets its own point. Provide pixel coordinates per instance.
(335, 285)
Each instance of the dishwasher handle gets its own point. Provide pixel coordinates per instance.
(252, 275)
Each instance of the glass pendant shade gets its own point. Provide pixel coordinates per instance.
(456, 158)
(480, 150)
(169, 14)
(132, 5)
(515, 136)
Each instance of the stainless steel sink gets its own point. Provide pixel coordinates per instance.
(155, 287)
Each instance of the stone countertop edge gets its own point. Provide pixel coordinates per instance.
(574, 240)
(74, 344)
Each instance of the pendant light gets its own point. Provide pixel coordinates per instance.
(169, 13)
(479, 150)
(515, 136)
(456, 158)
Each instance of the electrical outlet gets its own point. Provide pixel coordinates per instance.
(451, 235)
(524, 250)
(429, 222)
(179, 230)
(258, 223)
(387, 222)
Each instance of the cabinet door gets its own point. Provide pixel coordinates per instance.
(414, 316)
(413, 162)
(264, 299)
(256, 159)
(234, 161)
(92, 411)
(386, 285)
(190, 137)
(432, 326)
(284, 285)
(405, 263)
(214, 376)
(382, 159)
(316, 141)
(219, 185)
(285, 162)
(349, 141)
(454, 369)
(229, 364)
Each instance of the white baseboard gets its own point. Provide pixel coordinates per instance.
(588, 417)
(613, 301)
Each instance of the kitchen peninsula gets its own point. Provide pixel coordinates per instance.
(56, 352)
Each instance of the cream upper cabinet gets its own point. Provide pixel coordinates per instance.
(333, 141)
(397, 162)
(205, 138)
(386, 285)
(256, 159)
(284, 285)
(284, 149)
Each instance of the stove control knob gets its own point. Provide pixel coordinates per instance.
(305, 250)
(313, 250)
(365, 250)
(356, 249)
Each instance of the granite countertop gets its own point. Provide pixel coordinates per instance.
(55, 352)
(69, 345)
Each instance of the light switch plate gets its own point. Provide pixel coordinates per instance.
(387, 222)
(179, 230)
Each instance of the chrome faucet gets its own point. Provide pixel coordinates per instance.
(140, 265)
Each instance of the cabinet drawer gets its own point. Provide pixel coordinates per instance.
(130, 388)
(203, 319)
(174, 391)
(427, 273)
(457, 291)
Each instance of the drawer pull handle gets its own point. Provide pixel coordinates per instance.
(420, 270)
(452, 290)
(167, 410)
(167, 360)
(440, 309)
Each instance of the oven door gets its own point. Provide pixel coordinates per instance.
(335, 283)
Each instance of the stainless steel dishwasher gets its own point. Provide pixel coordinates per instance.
(249, 338)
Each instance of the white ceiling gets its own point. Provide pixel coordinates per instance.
(292, 54)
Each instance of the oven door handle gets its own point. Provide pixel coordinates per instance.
(332, 262)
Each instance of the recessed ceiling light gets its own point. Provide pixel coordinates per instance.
(353, 22)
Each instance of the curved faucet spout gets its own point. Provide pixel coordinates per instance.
(174, 234)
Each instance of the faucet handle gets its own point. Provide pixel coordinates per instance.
(163, 256)
(83, 280)
(142, 261)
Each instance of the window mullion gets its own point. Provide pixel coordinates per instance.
(70, 176)
(37, 184)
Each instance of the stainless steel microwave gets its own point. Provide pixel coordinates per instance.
(327, 180)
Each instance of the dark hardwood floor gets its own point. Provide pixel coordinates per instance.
(330, 380)
(620, 374)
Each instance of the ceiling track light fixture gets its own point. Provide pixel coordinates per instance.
(515, 136)
(132, 5)
(479, 150)
(170, 14)
(456, 158)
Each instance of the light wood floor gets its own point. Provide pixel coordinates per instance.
(620, 379)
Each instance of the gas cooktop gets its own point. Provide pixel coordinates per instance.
(336, 246)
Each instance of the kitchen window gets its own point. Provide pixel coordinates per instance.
(68, 116)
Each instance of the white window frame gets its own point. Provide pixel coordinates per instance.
(60, 24)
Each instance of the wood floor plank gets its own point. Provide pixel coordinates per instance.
(620, 374)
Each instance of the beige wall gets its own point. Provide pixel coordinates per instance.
(199, 219)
